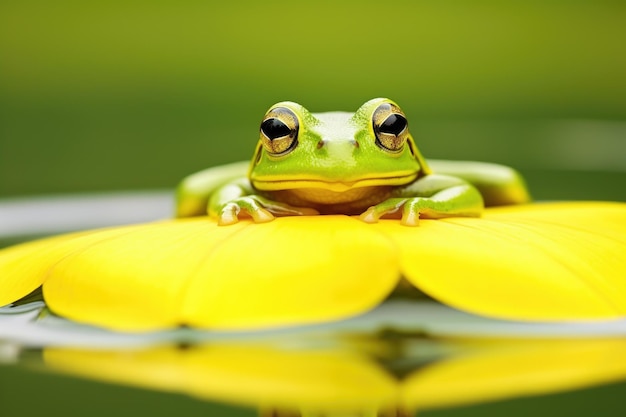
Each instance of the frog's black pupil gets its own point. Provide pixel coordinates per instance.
(274, 128)
(393, 124)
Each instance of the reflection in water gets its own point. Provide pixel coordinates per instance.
(354, 375)
(439, 358)
(359, 367)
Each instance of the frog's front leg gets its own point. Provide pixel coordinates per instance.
(239, 198)
(433, 196)
(194, 191)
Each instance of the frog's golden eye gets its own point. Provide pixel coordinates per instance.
(391, 127)
(279, 131)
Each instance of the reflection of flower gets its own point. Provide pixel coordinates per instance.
(544, 262)
(373, 375)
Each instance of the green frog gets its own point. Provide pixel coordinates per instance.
(364, 163)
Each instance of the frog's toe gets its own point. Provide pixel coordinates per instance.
(260, 215)
(370, 215)
(374, 213)
(411, 213)
(228, 215)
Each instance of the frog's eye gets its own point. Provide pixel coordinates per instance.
(391, 127)
(279, 131)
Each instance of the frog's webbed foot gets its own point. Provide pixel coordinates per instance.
(260, 209)
(457, 201)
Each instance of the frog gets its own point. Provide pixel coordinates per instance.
(364, 163)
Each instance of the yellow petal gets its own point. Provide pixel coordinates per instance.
(294, 270)
(561, 261)
(513, 368)
(136, 279)
(18, 274)
(250, 374)
(25, 267)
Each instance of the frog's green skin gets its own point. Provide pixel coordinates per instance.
(363, 163)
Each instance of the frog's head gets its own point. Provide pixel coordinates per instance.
(336, 151)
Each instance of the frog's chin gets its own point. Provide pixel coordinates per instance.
(335, 186)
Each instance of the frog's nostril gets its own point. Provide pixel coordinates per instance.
(355, 143)
(321, 144)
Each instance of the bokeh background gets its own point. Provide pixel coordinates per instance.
(133, 95)
(136, 94)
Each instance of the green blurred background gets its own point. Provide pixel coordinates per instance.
(137, 94)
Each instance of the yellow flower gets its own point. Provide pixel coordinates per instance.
(557, 261)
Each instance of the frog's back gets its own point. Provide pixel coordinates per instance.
(499, 184)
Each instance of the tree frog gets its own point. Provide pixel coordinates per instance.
(364, 163)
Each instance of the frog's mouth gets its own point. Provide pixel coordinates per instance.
(336, 186)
